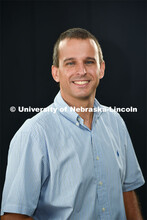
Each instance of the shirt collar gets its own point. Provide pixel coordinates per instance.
(65, 109)
(73, 116)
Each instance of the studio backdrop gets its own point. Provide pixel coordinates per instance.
(28, 31)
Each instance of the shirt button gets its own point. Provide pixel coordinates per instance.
(100, 183)
(103, 209)
(78, 118)
(77, 123)
(97, 158)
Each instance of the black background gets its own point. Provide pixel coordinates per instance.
(28, 31)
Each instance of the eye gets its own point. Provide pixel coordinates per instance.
(70, 63)
(89, 62)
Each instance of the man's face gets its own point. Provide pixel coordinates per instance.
(79, 70)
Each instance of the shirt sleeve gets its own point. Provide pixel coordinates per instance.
(27, 169)
(133, 174)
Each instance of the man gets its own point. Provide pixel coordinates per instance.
(77, 163)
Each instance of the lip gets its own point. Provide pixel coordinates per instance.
(81, 83)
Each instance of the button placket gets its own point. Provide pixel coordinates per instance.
(101, 187)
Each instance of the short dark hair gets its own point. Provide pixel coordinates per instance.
(77, 33)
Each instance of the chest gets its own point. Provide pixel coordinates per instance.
(78, 155)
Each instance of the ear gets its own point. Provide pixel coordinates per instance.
(55, 73)
(102, 70)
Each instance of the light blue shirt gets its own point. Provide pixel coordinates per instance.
(59, 169)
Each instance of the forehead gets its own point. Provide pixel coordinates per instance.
(76, 47)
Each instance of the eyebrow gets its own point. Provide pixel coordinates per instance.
(72, 58)
(68, 59)
(90, 58)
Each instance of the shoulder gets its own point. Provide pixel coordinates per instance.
(109, 112)
(37, 126)
(112, 118)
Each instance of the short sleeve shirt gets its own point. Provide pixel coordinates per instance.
(59, 169)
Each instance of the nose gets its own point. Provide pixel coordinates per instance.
(81, 70)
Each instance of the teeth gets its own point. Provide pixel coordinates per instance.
(81, 82)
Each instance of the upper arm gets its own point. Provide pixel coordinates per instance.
(27, 170)
(132, 174)
(13, 216)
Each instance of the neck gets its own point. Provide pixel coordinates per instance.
(84, 103)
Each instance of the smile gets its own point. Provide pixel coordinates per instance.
(81, 82)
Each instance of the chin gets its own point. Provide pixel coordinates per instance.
(82, 96)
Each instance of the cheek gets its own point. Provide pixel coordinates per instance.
(67, 74)
(70, 71)
(94, 73)
(64, 78)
